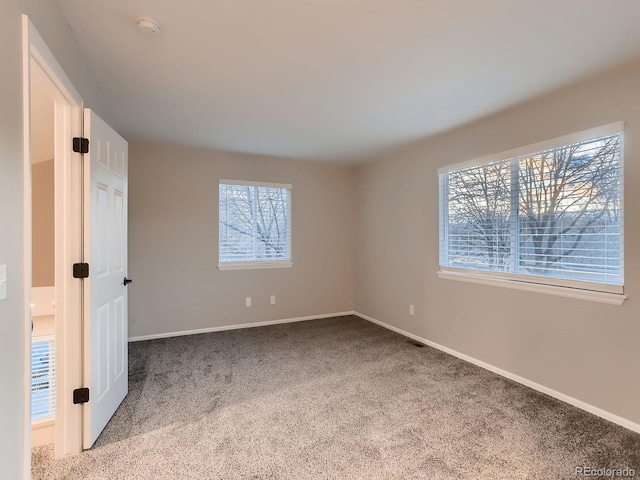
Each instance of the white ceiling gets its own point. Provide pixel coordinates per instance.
(338, 79)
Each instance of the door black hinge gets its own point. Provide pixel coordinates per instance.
(80, 270)
(80, 395)
(80, 145)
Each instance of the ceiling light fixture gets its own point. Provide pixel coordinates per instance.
(148, 26)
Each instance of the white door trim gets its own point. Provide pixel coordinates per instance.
(68, 226)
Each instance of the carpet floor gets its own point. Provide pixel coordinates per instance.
(337, 398)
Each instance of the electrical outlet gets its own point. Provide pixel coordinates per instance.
(247, 302)
(412, 310)
(273, 299)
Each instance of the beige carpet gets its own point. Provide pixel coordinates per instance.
(338, 398)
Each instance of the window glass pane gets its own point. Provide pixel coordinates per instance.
(42, 379)
(236, 223)
(479, 228)
(570, 208)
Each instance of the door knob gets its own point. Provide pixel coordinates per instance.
(127, 281)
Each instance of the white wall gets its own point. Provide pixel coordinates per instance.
(53, 27)
(11, 250)
(173, 241)
(585, 350)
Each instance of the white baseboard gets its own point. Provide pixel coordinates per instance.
(235, 327)
(516, 378)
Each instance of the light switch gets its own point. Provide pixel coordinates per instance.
(3, 282)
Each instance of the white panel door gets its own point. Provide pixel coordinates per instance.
(105, 324)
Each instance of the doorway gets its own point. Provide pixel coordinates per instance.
(76, 364)
(53, 241)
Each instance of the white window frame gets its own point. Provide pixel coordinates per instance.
(582, 290)
(258, 264)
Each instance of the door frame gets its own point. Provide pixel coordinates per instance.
(68, 244)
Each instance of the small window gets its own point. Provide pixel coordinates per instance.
(550, 213)
(43, 378)
(254, 225)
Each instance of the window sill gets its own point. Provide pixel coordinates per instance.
(575, 293)
(253, 265)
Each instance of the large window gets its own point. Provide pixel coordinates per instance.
(255, 225)
(550, 213)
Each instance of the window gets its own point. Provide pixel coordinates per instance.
(548, 214)
(255, 225)
(43, 378)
